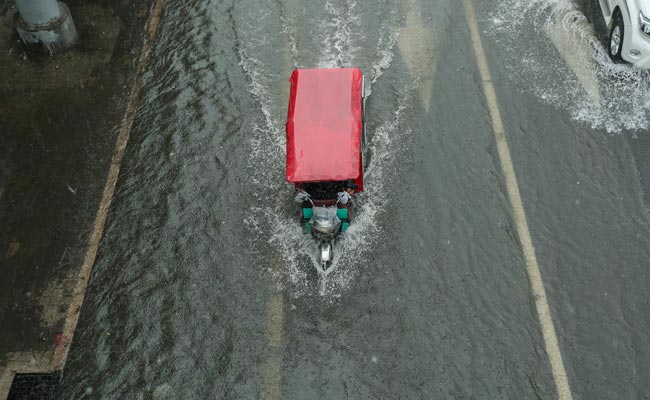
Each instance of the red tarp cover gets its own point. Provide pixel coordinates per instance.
(324, 125)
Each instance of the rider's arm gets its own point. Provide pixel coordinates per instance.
(344, 198)
(301, 196)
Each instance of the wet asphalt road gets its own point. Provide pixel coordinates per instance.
(205, 288)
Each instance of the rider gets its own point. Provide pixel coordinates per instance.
(345, 197)
(342, 198)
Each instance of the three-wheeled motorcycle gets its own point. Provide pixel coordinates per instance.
(325, 144)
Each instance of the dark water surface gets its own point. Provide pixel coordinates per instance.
(203, 260)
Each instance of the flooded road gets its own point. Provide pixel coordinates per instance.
(205, 287)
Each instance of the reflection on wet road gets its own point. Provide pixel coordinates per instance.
(205, 286)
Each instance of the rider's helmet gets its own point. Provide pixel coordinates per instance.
(351, 185)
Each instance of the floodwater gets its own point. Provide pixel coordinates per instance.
(205, 287)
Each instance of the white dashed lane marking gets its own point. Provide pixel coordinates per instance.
(577, 54)
(418, 44)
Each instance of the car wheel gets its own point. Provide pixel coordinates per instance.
(616, 35)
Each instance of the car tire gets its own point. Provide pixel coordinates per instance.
(616, 35)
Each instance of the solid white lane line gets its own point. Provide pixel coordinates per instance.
(532, 268)
(74, 308)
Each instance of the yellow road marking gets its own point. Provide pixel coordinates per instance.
(274, 328)
(272, 367)
(532, 268)
(276, 317)
(12, 250)
(272, 378)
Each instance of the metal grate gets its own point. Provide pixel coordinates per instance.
(34, 386)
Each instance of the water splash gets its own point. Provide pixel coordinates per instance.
(624, 92)
(337, 47)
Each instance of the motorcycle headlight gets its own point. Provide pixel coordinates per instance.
(644, 24)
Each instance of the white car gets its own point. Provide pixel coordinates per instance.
(629, 30)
